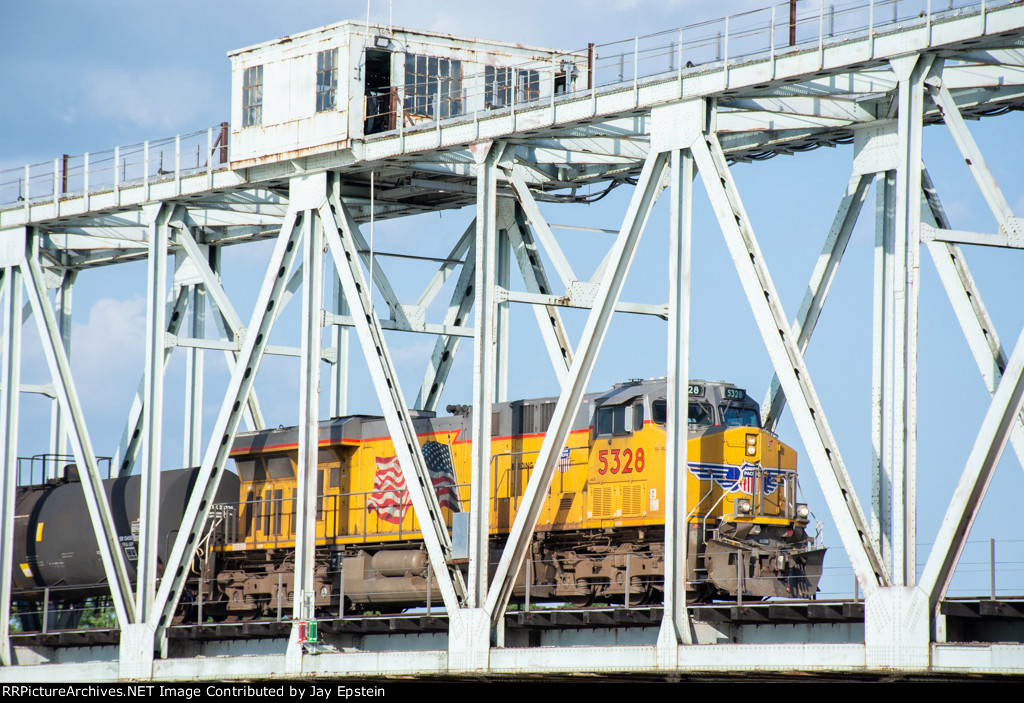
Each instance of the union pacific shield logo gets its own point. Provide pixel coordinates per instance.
(738, 479)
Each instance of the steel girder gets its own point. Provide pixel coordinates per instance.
(9, 395)
(788, 363)
(648, 188)
(215, 459)
(343, 240)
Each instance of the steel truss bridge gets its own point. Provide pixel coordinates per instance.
(877, 84)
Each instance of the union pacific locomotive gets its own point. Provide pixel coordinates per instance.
(599, 537)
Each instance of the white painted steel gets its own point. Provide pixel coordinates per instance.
(521, 534)
(111, 555)
(224, 429)
(788, 362)
(9, 407)
(342, 237)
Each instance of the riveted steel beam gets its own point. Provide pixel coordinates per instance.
(964, 295)
(9, 407)
(549, 320)
(341, 233)
(485, 353)
(215, 460)
(646, 193)
(788, 362)
(963, 508)
(824, 274)
(675, 624)
(309, 411)
(111, 555)
(153, 408)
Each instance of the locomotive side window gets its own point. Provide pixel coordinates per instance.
(659, 411)
(252, 96)
(326, 80)
(612, 420)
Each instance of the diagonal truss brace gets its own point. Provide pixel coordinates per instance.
(549, 319)
(978, 328)
(96, 500)
(647, 190)
(223, 434)
(788, 362)
(818, 287)
(343, 244)
(443, 356)
(963, 508)
(973, 157)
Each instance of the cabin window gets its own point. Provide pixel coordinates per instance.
(252, 96)
(431, 82)
(528, 83)
(326, 80)
(497, 86)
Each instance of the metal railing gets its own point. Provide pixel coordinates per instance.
(756, 35)
(122, 167)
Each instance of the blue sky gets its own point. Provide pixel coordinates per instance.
(88, 76)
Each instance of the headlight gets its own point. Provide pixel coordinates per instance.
(802, 510)
(751, 444)
(743, 505)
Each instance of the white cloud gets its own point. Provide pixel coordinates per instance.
(108, 349)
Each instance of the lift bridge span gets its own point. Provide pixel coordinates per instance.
(657, 113)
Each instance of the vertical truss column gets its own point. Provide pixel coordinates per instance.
(340, 231)
(484, 368)
(95, 498)
(882, 365)
(192, 446)
(239, 387)
(339, 341)
(9, 403)
(647, 190)
(788, 362)
(58, 430)
(675, 623)
(502, 278)
(309, 395)
(153, 403)
(911, 72)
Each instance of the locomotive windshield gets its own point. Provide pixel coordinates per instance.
(739, 416)
(699, 413)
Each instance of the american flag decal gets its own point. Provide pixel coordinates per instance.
(563, 460)
(390, 499)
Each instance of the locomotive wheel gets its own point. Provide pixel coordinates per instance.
(582, 600)
(640, 591)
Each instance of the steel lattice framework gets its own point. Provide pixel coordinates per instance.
(877, 88)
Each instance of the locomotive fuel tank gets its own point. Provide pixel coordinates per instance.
(54, 544)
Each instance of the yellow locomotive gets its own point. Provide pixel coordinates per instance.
(601, 531)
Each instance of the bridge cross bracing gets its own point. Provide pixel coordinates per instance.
(659, 130)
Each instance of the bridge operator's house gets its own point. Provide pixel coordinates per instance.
(316, 91)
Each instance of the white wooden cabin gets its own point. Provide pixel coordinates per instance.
(317, 91)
